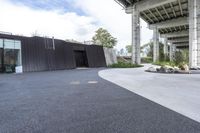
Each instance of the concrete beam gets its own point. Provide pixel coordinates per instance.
(184, 44)
(170, 23)
(187, 42)
(175, 34)
(178, 40)
(148, 4)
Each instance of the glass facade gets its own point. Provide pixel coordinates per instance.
(10, 55)
(1, 43)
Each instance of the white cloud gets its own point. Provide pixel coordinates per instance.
(111, 16)
(20, 19)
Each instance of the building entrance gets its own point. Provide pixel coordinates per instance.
(81, 59)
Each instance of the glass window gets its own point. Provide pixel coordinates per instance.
(1, 43)
(12, 53)
(17, 44)
(9, 44)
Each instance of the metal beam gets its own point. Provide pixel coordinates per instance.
(171, 23)
(175, 34)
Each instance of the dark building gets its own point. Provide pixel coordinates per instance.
(30, 54)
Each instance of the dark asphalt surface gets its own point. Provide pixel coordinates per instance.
(54, 102)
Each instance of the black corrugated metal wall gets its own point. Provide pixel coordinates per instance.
(39, 54)
(95, 55)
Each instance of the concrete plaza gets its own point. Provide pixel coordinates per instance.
(178, 92)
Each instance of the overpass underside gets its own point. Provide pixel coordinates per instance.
(177, 21)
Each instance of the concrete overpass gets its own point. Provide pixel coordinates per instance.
(178, 21)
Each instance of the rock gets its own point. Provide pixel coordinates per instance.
(185, 67)
(163, 69)
(195, 68)
(176, 69)
(171, 70)
(151, 69)
(157, 69)
(167, 69)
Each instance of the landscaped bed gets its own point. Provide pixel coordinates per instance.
(171, 67)
(121, 64)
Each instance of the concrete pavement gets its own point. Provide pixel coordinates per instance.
(178, 92)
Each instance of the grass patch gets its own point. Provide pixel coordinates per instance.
(163, 63)
(146, 59)
(124, 65)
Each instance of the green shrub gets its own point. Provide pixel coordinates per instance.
(181, 57)
(146, 59)
(124, 65)
(163, 63)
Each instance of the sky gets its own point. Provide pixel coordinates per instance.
(69, 19)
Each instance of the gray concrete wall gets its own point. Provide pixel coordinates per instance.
(110, 56)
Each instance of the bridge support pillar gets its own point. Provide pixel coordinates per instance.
(135, 36)
(155, 45)
(172, 52)
(166, 52)
(194, 33)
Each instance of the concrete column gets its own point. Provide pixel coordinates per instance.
(165, 48)
(155, 45)
(135, 36)
(171, 52)
(194, 33)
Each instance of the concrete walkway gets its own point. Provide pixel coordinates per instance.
(178, 92)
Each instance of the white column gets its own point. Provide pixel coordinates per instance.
(155, 45)
(135, 36)
(194, 33)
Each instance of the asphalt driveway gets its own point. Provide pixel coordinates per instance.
(79, 101)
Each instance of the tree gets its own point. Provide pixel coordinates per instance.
(104, 38)
(149, 47)
(129, 48)
(181, 56)
(122, 51)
